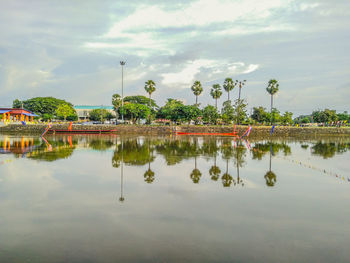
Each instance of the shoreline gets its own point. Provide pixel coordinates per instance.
(257, 131)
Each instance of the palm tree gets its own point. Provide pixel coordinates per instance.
(150, 87)
(272, 89)
(228, 86)
(240, 83)
(216, 93)
(197, 89)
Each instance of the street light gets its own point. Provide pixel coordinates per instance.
(122, 63)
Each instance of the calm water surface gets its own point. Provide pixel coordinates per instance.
(173, 199)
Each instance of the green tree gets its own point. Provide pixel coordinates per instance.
(172, 110)
(139, 99)
(42, 105)
(216, 93)
(259, 114)
(287, 118)
(344, 116)
(227, 112)
(240, 111)
(65, 110)
(16, 104)
(210, 114)
(197, 89)
(190, 113)
(272, 89)
(135, 111)
(100, 115)
(229, 85)
(150, 87)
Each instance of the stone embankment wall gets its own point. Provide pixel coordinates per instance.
(257, 131)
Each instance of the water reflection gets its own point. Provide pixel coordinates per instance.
(143, 151)
(270, 176)
(329, 149)
(136, 199)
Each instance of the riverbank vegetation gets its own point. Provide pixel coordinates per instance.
(138, 108)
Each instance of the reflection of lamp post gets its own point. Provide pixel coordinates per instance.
(121, 198)
(122, 63)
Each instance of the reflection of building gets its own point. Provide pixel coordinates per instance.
(10, 114)
(84, 110)
(16, 145)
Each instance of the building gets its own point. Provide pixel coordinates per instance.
(10, 114)
(84, 110)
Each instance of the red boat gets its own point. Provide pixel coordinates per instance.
(67, 131)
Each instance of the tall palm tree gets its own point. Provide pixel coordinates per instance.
(150, 87)
(272, 89)
(228, 86)
(216, 93)
(240, 84)
(197, 89)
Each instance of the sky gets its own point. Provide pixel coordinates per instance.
(72, 49)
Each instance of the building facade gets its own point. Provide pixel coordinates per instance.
(84, 110)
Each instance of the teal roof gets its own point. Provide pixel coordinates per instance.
(89, 107)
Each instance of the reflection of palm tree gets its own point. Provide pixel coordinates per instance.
(214, 171)
(149, 174)
(239, 160)
(270, 176)
(196, 174)
(226, 178)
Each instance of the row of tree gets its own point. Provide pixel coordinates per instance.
(324, 116)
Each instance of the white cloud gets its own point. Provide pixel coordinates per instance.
(145, 30)
(209, 69)
(199, 13)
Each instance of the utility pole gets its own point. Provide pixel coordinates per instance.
(122, 63)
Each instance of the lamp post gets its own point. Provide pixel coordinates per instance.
(122, 63)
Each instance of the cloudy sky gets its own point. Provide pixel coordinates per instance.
(71, 50)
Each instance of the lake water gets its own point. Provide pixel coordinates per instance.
(173, 199)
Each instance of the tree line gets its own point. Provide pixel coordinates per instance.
(139, 107)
